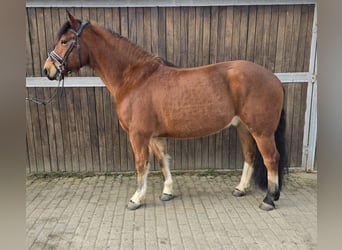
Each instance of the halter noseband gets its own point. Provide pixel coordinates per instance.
(75, 43)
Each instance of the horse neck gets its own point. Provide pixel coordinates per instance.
(111, 56)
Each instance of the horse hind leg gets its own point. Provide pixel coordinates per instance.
(270, 156)
(248, 149)
(158, 147)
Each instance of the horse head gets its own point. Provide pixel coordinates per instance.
(70, 52)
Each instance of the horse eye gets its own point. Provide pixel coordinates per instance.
(63, 42)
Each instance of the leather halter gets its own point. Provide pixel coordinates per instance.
(75, 43)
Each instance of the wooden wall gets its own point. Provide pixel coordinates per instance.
(80, 132)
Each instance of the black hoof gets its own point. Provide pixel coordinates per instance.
(133, 206)
(238, 193)
(267, 204)
(266, 207)
(166, 197)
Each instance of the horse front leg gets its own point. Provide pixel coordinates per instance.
(159, 150)
(140, 145)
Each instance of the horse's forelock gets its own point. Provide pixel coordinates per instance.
(65, 27)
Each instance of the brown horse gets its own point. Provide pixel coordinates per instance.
(155, 100)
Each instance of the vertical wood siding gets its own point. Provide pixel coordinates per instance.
(80, 132)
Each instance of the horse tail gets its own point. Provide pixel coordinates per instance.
(260, 171)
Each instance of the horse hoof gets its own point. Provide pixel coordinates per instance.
(166, 197)
(133, 206)
(238, 193)
(266, 207)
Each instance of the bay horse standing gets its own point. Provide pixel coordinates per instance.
(155, 100)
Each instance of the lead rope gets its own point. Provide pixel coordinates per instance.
(58, 92)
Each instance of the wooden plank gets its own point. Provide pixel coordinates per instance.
(132, 25)
(37, 136)
(169, 34)
(100, 121)
(229, 33)
(243, 33)
(124, 22)
(154, 31)
(65, 128)
(221, 27)
(252, 16)
(199, 37)
(295, 38)
(192, 38)
(108, 130)
(259, 35)
(113, 22)
(272, 46)
(176, 36)
(94, 136)
(80, 132)
(100, 16)
(266, 35)
(147, 38)
(162, 32)
(184, 24)
(302, 38)
(86, 130)
(108, 19)
(213, 35)
(288, 39)
(206, 36)
(34, 41)
(140, 26)
(308, 37)
(280, 39)
(30, 138)
(29, 57)
(69, 101)
(236, 34)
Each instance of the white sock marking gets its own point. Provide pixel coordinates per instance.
(247, 173)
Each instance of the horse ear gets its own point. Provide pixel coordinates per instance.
(71, 19)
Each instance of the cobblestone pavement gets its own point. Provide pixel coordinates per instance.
(90, 213)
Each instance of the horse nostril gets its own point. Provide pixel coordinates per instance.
(45, 71)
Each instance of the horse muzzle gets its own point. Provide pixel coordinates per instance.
(55, 74)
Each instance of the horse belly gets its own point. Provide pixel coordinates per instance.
(198, 121)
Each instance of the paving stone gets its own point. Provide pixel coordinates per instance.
(90, 213)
